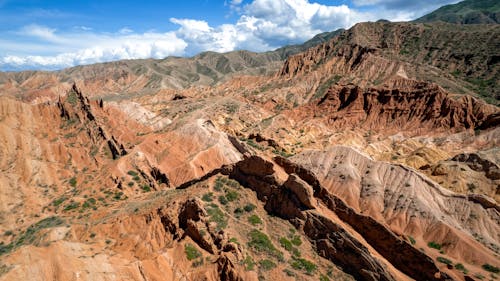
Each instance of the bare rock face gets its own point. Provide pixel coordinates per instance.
(227, 270)
(423, 107)
(301, 189)
(335, 243)
(477, 163)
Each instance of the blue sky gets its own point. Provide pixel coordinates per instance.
(49, 35)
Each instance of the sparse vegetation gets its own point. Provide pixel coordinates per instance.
(266, 264)
(71, 206)
(217, 216)
(254, 220)
(285, 243)
(30, 235)
(132, 173)
(412, 240)
(231, 195)
(261, 243)
(58, 201)
(191, 252)
(303, 264)
(146, 188)
(249, 207)
(461, 267)
(320, 92)
(223, 200)
(207, 197)
(444, 260)
(434, 245)
(72, 181)
(490, 268)
(249, 263)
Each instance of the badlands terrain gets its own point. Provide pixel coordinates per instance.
(364, 154)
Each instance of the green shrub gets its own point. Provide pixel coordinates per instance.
(490, 268)
(146, 188)
(266, 264)
(223, 200)
(323, 278)
(254, 220)
(461, 267)
(58, 201)
(207, 197)
(412, 240)
(296, 240)
(238, 211)
(217, 216)
(30, 235)
(303, 264)
(289, 272)
(191, 252)
(71, 206)
(130, 183)
(219, 184)
(72, 181)
(434, 245)
(261, 243)
(231, 195)
(285, 243)
(132, 173)
(444, 260)
(249, 207)
(249, 263)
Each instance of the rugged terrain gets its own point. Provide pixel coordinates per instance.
(370, 154)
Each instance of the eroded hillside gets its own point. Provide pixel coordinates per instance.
(354, 159)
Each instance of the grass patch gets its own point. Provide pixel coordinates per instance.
(434, 245)
(72, 181)
(191, 252)
(59, 201)
(231, 195)
(303, 264)
(30, 235)
(249, 263)
(132, 173)
(412, 240)
(249, 207)
(254, 220)
(285, 243)
(490, 268)
(261, 243)
(444, 260)
(296, 240)
(71, 206)
(461, 267)
(217, 216)
(320, 92)
(266, 264)
(223, 200)
(146, 188)
(207, 197)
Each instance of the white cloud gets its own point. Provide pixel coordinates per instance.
(107, 48)
(261, 25)
(39, 31)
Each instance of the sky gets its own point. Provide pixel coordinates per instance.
(56, 34)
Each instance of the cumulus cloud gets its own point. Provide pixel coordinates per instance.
(108, 48)
(267, 24)
(261, 25)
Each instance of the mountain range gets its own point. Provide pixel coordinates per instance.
(370, 153)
